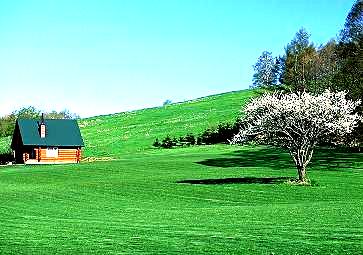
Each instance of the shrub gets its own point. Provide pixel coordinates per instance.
(156, 143)
(167, 143)
(219, 134)
(6, 157)
(187, 140)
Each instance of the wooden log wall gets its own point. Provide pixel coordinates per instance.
(64, 155)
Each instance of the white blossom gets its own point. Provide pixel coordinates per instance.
(298, 121)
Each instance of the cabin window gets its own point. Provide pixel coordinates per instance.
(52, 152)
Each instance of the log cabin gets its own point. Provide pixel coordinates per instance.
(48, 141)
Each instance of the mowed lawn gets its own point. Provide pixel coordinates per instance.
(199, 200)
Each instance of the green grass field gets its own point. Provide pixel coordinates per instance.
(148, 204)
(199, 200)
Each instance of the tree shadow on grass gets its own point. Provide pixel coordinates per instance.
(261, 157)
(242, 180)
(334, 159)
(276, 158)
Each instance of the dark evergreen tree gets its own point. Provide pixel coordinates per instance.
(353, 27)
(349, 75)
(299, 63)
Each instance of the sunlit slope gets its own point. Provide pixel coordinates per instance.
(128, 132)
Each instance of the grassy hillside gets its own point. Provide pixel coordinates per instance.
(129, 132)
(148, 204)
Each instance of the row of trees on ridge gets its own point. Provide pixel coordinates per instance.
(7, 123)
(306, 67)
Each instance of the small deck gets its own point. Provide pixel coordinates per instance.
(49, 162)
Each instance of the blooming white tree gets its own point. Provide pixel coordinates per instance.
(298, 121)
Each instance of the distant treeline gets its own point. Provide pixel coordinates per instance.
(7, 123)
(305, 66)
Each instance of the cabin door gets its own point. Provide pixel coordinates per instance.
(32, 154)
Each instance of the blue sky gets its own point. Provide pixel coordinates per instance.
(100, 57)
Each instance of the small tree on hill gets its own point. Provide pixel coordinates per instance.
(266, 71)
(167, 102)
(298, 121)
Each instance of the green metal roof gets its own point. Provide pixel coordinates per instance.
(59, 132)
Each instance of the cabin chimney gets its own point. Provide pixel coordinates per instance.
(42, 127)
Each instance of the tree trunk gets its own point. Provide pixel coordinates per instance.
(301, 158)
(302, 173)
